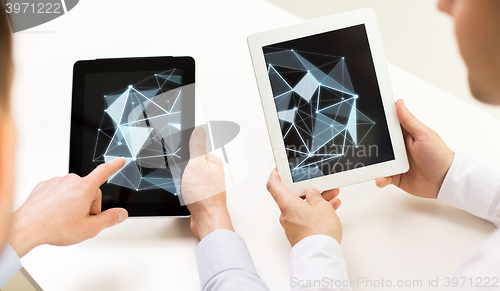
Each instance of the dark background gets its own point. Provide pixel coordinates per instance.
(351, 43)
(96, 86)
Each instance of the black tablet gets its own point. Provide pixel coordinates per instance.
(142, 109)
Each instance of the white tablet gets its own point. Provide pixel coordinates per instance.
(328, 102)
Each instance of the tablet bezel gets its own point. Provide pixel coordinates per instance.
(80, 70)
(366, 17)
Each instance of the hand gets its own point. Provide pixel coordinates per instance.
(65, 211)
(429, 158)
(299, 218)
(203, 188)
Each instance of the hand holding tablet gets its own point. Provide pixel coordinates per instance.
(429, 157)
(328, 102)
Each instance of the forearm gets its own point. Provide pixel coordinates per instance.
(473, 185)
(224, 263)
(317, 263)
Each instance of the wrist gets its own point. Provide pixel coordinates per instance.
(23, 237)
(205, 223)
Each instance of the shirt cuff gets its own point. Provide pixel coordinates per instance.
(472, 185)
(9, 264)
(220, 251)
(318, 258)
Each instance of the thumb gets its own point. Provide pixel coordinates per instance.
(409, 122)
(108, 218)
(280, 192)
(313, 196)
(197, 143)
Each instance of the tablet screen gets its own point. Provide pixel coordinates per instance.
(328, 103)
(142, 116)
(140, 122)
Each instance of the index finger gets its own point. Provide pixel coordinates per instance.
(102, 173)
(279, 191)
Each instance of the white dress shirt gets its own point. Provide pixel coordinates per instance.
(9, 264)
(317, 263)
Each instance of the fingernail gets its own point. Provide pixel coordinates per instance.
(199, 131)
(313, 190)
(122, 215)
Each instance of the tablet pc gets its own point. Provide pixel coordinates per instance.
(142, 109)
(328, 102)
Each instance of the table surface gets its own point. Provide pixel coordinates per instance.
(387, 233)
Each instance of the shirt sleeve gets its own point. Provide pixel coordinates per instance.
(473, 185)
(317, 264)
(9, 264)
(224, 263)
(481, 269)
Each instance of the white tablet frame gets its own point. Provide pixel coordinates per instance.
(364, 16)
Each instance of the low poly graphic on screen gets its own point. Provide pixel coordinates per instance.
(317, 108)
(146, 120)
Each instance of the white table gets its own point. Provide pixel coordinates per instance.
(387, 233)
